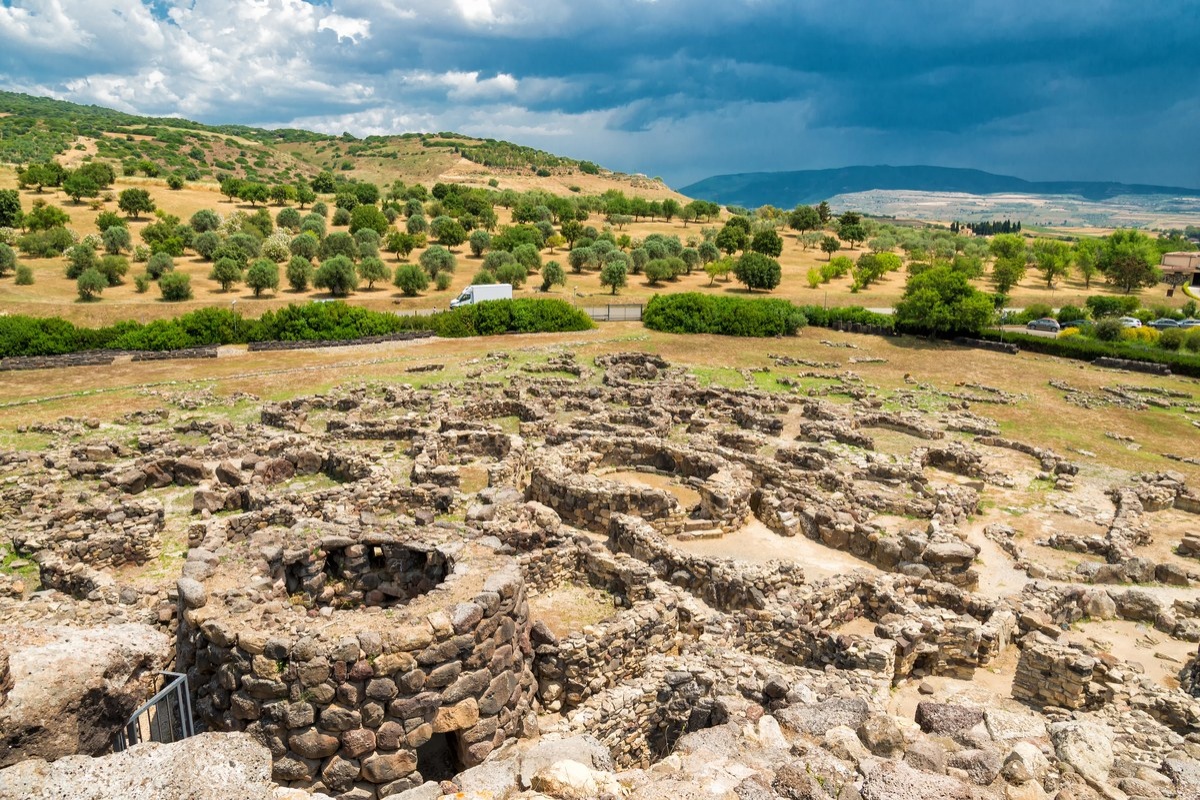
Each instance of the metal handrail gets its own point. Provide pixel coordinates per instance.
(178, 716)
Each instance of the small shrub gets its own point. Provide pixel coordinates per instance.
(263, 274)
(79, 258)
(90, 284)
(1142, 335)
(1036, 311)
(47, 243)
(277, 247)
(553, 275)
(1072, 313)
(1108, 329)
(175, 287)
(412, 280)
(514, 274)
(24, 275)
(116, 239)
(443, 281)
(497, 259)
(1104, 306)
(158, 265)
(437, 259)
(338, 275)
(836, 268)
(227, 272)
(113, 268)
(141, 283)
(299, 273)
(1171, 339)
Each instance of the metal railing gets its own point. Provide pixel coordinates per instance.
(166, 717)
(614, 313)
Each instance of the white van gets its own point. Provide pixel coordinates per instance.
(484, 291)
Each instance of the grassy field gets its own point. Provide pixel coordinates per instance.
(1041, 415)
(52, 294)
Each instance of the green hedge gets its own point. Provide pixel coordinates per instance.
(39, 336)
(847, 315)
(527, 315)
(1087, 349)
(692, 312)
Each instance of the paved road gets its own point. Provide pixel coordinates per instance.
(1023, 329)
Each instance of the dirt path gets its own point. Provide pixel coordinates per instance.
(997, 575)
(687, 496)
(757, 543)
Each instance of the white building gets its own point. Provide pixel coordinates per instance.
(1187, 264)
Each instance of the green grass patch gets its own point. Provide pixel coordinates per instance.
(21, 567)
(719, 376)
(769, 382)
(12, 440)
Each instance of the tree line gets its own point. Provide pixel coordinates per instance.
(986, 228)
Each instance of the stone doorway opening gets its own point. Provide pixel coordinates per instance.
(438, 759)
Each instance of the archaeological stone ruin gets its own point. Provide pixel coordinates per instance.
(600, 577)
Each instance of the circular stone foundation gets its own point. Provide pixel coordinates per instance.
(366, 658)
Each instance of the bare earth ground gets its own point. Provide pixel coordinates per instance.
(686, 496)
(570, 608)
(758, 543)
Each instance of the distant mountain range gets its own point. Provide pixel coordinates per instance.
(787, 189)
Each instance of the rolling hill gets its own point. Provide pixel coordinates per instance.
(787, 189)
(35, 129)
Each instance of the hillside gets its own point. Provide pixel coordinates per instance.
(485, 185)
(35, 129)
(787, 189)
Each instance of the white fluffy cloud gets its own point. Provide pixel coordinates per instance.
(677, 87)
(351, 28)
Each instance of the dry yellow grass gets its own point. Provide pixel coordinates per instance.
(1042, 415)
(54, 295)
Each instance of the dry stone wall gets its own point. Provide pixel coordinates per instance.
(104, 535)
(1049, 673)
(359, 652)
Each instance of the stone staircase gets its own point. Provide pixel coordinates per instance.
(698, 529)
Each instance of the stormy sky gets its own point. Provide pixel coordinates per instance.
(1045, 89)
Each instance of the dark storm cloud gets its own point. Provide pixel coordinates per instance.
(1100, 89)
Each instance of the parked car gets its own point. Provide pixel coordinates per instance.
(1081, 324)
(1164, 323)
(1045, 324)
(1190, 322)
(1130, 322)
